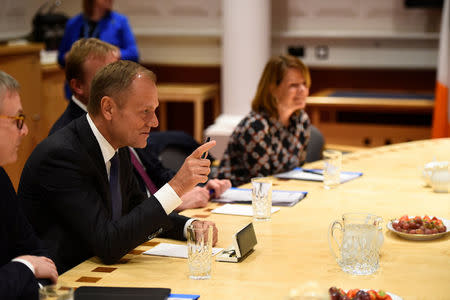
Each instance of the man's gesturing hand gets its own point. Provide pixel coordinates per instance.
(194, 170)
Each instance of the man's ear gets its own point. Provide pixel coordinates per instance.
(76, 86)
(107, 107)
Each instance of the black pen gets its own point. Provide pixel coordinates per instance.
(205, 153)
(317, 172)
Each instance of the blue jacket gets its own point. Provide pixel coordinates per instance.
(112, 28)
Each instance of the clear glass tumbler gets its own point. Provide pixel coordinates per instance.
(261, 198)
(56, 292)
(332, 168)
(199, 244)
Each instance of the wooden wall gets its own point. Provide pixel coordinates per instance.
(180, 115)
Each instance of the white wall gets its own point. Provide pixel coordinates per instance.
(358, 33)
(16, 16)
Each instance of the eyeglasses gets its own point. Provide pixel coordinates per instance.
(20, 119)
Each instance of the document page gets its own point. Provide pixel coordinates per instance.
(279, 198)
(315, 175)
(238, 209)
(173, 250)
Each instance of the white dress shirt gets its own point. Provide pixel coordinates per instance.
(166, 196)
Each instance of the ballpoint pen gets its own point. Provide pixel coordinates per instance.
(206, 153)
(317, 172)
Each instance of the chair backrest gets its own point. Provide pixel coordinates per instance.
(172, 157)
(172, 147)
(315, 145)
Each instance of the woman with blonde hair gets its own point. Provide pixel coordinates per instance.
(273, 137)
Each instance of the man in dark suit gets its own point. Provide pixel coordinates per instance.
(22, 259)
(78, 187)
(85, 58)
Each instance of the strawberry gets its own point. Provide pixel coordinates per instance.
(383, 296)
(404, 218)
(352, 293)
(372, 294)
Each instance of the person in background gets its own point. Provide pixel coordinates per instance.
(84, 59)
(22, 258)
(78, 188)
(98, 20)
(273, 137)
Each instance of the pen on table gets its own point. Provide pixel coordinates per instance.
(206, 153)
(317, 172)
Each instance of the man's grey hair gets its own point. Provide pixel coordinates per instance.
(7, 84)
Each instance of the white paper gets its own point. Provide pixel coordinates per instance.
(174, 250)
(245, 195)
(238, 209)
(297, 173)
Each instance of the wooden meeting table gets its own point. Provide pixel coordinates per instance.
(293, 248)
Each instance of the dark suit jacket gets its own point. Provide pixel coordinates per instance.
(157, 172)
(72, 112)
(148, 155)
(16, 238)
(65, 190)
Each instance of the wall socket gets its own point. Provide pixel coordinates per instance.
(321, 52)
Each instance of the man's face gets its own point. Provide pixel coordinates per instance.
(131, 123)
(90, 67)
(10, 135)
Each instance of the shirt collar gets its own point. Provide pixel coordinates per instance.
(79, 103)
(106, 148)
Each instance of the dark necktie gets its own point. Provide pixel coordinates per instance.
(140, 168)
(114, 186)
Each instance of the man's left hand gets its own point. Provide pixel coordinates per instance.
(205, 224)
(218, 186)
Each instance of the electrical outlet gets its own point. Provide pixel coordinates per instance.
(321, 52)
(298, 51)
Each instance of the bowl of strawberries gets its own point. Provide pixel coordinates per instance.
(361, 294)
(419, 228)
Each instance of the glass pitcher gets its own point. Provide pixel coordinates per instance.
(358, 245)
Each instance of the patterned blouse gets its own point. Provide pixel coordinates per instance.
(261, 146)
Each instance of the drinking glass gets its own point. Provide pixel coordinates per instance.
(261, 198)
(359, 243)
(332, 168)
(56, 292)
(199, 244)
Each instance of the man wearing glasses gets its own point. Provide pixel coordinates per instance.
(21, 255)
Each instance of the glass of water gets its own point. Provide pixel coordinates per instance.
(261, 198)
(56, 292)
(358, 244)
(332, 168)
(199, 244)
